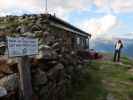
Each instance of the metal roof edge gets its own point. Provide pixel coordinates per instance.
(54, 18)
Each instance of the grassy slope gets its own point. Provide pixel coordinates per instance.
(106, 77)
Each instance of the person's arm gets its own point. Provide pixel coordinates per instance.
(121, 45)
(115, 45)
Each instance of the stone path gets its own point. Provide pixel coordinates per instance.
(110, 97)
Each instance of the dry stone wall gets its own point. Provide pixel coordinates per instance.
(56, 66)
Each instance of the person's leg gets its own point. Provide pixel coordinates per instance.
(115, 54)
(119, 54)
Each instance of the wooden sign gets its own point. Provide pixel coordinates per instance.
(22, 46)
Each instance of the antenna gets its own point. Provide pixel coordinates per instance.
(46, 6)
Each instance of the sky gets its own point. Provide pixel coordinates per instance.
(101, 18)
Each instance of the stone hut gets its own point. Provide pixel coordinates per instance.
(49, 28)
(74, 37)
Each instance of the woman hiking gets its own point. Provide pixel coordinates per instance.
(117, 53)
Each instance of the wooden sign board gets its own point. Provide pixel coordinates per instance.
(22, 46)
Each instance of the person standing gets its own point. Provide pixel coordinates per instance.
(117, 53)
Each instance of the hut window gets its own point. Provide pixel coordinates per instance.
(87, 43)
(78, 41)
(82, 42)
(2, 45)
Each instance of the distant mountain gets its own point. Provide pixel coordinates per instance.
(104, 45)
(129, 50)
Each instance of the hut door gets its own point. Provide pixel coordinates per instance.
(73, 42)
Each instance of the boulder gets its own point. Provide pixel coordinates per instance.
(110, 97)
(55, 73)
(12, 61)
(29, 34)
(9, 82)
(35, 28)
(22, 29)
(3, 92)
(39, 77)
(48, 53)
(43, 93)
(4, 67)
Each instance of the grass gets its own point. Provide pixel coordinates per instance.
(117, 79)
(105, 77)
(89, 86)
(127, 61)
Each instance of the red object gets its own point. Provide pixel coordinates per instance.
(94, 55)
(89, 54)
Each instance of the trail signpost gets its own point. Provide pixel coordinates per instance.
(23, 47)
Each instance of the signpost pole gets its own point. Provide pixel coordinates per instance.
(25, 78)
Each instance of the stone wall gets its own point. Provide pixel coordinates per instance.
(50, 75)
(56, 66)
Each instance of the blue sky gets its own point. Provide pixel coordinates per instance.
(108, 18)
(123, 26)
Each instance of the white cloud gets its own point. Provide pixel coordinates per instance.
(122, 6)
(63, 7)
(116, 6)
(8, 7)
(116, 36)
(98, 26)
(128, 35)
(5, 4)
(101, 3)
